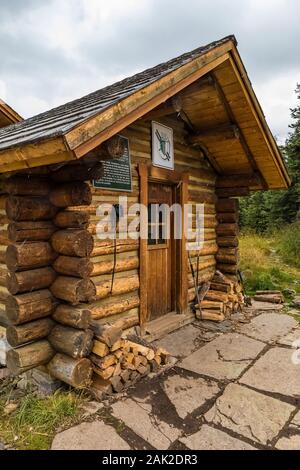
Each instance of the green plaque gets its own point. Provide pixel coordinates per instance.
(117, 173)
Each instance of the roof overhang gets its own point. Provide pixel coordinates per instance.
(8, 115)
(89, 134)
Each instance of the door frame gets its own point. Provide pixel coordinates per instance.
(154, 174)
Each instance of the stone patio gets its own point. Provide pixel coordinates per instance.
(234, 388)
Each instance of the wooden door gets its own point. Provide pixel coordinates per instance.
(160, 251)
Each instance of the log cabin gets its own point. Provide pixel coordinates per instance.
(188, 131)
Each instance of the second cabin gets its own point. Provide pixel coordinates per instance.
(187, 133)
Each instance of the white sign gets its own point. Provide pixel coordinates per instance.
(162, 146)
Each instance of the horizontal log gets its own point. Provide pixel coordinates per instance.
(124, 264)
(73, 342)
(128, 321)
(75, 372)
(225, 241)
(106, 247)
(30, 356)
(216, 296)
(230, 230)
(25, 281)
(227, 268)
(32, 331)
(27, 186)
(218, 286)
(120, 286)
(31, 306)
(272, 298)
(210, 315)
(237, 181)
(227, 259)
(228, 217)
(71, 194)
(29, 255)
(109, 307)
(72, 219)
(107, 334)
(73, 290)
(75, 317)
(73, 266)
(212, 305)
(20, 208)
(227, 205)
(232, 192)
(30, 231)
(73, 242)
(80, 172)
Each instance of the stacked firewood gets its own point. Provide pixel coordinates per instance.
(222, 298)
(119, 362)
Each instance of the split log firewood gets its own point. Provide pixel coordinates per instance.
(25, 281)
(70, 341)
(103, 362)
(100, 349)
(210, 315)
(72, 219)
(32, 331)
(105, 373)
(71, 194)
(230, 230)
(73, 266)
(220, 277)
(31, 306)
(70, 316)
(228, 241)
(216, 296)
(73, 242)
(75, 372)
(31, 209)
(227, 205)
(22, 256)
(27, 357)
(73, 290)
(27, 186)
(30, 231)
(219, 286)
(212, 305)
(80, 172)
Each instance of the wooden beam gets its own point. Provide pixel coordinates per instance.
(238, 181)
(226, 132)
(242, 139)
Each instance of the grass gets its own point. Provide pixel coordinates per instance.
(270, 262)
(33, 424)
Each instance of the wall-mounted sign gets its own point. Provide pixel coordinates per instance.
(117, 173)
(162, 146)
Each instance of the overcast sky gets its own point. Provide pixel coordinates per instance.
(57, 50)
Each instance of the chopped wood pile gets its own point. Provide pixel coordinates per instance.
(223, 297)
(271, 296)
(119, 362)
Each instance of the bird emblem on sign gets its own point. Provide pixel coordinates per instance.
(164, 146)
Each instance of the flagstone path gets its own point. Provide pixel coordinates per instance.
(235, 386)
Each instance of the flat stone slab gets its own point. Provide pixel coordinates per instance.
(289, 443)
(209, 438)
(249, 413)
(275, 372)
(137, 415)
(188, 393)
(89, 436)
(225, 357)
(181, 342)
(292, 339)
(269, 327)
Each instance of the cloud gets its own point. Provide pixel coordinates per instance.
(54, 51)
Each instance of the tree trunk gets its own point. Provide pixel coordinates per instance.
(71, 194)
(73, 342)
(75, 372)
(73, 290)
(29, 255)
(26, 281)
(27, 307)
(29, 356)
(31, 209)
(30, 231)
(32, 331)
(73, 242)
(72, 219)
(75, 317)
